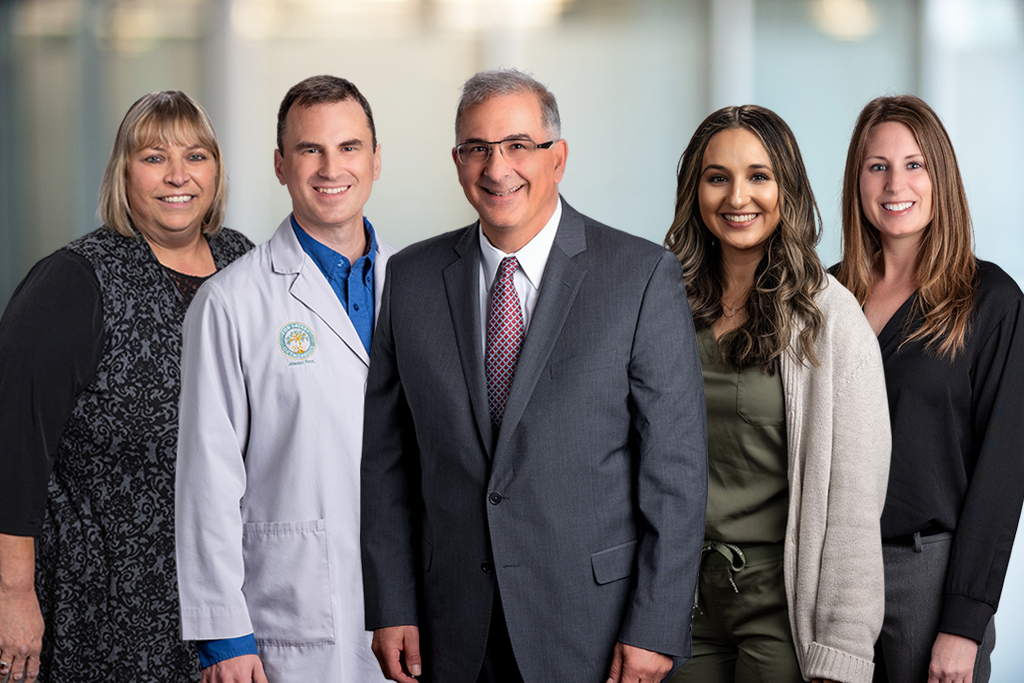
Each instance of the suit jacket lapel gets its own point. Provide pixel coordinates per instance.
(561, 283)
(312, 289)
(462, 284)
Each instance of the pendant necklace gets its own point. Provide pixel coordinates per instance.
(730, 316)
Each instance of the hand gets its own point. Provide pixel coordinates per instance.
(241, 669)
(952, 659)
(397, 649)
(636, 665)
(21, 634)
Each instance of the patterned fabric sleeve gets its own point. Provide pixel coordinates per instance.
(51, 341)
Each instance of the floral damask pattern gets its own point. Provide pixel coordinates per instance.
(106, 575)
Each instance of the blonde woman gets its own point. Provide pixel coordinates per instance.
(791, 579)
(89, 382)
(951, 333)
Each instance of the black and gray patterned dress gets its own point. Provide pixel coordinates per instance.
(89, 380)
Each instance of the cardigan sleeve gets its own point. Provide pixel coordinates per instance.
(841, 605)
(51, 342)
(991, 510)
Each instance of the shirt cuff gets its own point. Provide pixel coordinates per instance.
(213, 651)
(963, 616)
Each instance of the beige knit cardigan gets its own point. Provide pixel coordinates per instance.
(839, 444)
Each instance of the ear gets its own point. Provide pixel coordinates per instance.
(279, 166)
(561, 154)
(455, 158)
(376, 163)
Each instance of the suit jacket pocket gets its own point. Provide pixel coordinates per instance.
(287, 583)
(614, 563)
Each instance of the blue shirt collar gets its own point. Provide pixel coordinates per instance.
(326, 258)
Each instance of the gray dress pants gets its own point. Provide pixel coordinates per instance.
(915, 578)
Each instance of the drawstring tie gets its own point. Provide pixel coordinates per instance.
(733, 555)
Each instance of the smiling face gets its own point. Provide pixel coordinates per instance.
(329, 164)
(738, 192)
(514, 200)
(170, 188)
(895, 188)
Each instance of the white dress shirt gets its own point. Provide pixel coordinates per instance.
(533, 258)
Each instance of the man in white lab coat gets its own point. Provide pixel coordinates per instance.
(274, 365)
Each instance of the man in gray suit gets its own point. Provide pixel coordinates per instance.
(534, 471)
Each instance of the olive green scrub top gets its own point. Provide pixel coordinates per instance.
(748, 488)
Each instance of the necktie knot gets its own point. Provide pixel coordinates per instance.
(507, 268)
(504, 338)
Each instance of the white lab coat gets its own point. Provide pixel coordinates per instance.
(267, 489)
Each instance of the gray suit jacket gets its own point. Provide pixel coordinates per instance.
(587, 508)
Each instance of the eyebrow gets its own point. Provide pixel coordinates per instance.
(162, 147)
(719, 167)
(514, 136)
(354, 142)
(885, 158)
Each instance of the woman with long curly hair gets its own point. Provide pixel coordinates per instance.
(791, 578)
(951, 333)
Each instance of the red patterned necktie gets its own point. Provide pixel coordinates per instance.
(504, 338)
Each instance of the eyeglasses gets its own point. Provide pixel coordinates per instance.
(513, 150)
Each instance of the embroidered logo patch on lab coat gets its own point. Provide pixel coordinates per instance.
(297, 341)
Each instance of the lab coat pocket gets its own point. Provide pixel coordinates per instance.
(614, 563)
(287, 582)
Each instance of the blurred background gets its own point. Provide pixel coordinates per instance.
(633, 79)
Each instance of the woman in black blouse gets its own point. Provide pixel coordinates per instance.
(951, 332)
(89, 382)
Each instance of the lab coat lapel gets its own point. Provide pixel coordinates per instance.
(561, 283)
(312, 289)
(462, 282)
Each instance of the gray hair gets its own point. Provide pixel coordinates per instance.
(488, 84)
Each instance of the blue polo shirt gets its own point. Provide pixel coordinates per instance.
(353, 285)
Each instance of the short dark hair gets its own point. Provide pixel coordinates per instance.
(321, 90)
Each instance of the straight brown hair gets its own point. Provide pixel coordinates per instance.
(947, 272)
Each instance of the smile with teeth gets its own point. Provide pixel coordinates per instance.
(503, 194)
(897, 207)
(331, 190)
(178, 198)
(739, 217)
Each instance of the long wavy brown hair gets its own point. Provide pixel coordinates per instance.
(781, 303)
(947, 271)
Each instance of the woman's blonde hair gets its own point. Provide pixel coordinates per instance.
(946, 274)
(789, 274)
(168, 117)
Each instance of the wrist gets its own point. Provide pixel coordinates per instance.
(18, 588)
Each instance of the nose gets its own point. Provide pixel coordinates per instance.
(894, 181)
(738, 195)
(177, 173)
(330, 165)
(496, 166)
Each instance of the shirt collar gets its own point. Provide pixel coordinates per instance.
(532, 257)
(326, 258)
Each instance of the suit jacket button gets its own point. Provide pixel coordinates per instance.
(495, 498)
(487, 567)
